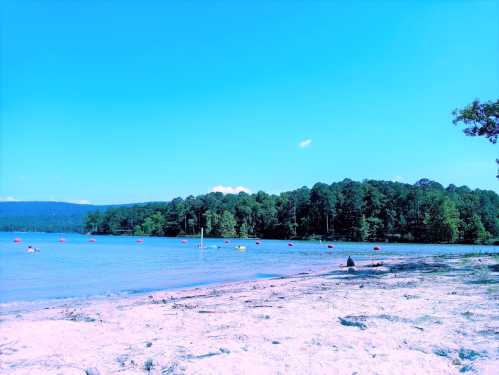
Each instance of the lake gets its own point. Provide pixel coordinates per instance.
(119, 265)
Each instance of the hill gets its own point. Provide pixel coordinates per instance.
(45, 216)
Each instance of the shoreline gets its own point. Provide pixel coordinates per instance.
(40, 304)
(436, 315)
(61, 301)
(233, 239)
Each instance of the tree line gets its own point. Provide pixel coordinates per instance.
(348, 210)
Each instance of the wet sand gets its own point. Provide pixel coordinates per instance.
(436, 315)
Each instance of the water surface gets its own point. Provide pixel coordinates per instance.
(115, 265)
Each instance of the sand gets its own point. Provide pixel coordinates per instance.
(410, 316)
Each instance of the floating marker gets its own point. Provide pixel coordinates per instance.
(18, 240)
(377, 248)
(330, 246)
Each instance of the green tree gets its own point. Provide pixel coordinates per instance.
(375, 228)
(350, 210)
(480, 119)
(153, 225)
(93, 222)
(137, 231)
(243, 231)
(363, 229)
(475, 231)
(211, 225)
(227, 225)
(442, 221)
(361, 211)
(266, 215)
(322, 209)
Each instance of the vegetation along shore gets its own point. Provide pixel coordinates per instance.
(348, 210)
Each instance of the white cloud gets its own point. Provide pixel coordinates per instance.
(230, 189)
(77, 201)
(397, 179)
(8, 199)
(305, 143)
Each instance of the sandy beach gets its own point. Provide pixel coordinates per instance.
(436, 315)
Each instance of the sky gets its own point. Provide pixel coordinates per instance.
(134, 101)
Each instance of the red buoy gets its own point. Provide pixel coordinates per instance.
(17, 240)
(184, 241)
(291, 244)
(377, 248)
(139, 241)
(62, 240)
(330, 246)
(92, 240)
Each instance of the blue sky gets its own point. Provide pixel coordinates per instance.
(137, 101)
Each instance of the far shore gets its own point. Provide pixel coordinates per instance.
(494, 242)
(410, 315)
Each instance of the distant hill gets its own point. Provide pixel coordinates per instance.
(45, 216)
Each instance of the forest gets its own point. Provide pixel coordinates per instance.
(370, 210)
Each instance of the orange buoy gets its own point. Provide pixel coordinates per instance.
(62, 240)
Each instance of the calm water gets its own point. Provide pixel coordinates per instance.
(115, 265)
